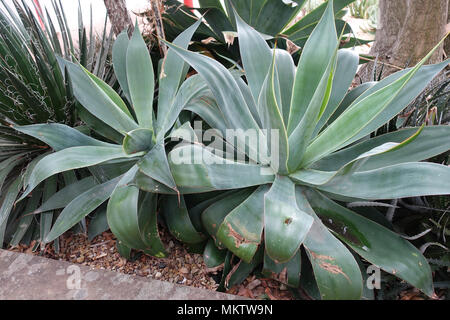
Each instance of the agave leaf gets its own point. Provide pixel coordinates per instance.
(285, 225)
(411, 90)
(156, 166)
(96, 100)
(212, 255)
(138, 140)
(46, 218)
(337, 273)
(312, 67)
(431, 142)
(178, 220)
(286, 74)
(171, 77)
(287, 273)
(69, 159)
(141, 79)
(241, 270)
(98, 224)
(213, 216)
(361, 113)
(347, 65)
(80, 207)
(148, 221)
(122, 212)
(255, 54)
(59, 136)
(7, 205)
(376, 244)
(241, 230)
(64, 196)
(212, 172)
(119, 59)
(272, 119)
(393, 182)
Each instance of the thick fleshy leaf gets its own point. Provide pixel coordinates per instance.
(272, 120)
(97, 101)
(59, 136)
(69, 159)
(287, 273)
(122, 212)
(285, 225)
(212, 172)
(46, 218)
(255, 54)
(80, 207)
(156, 166)
(138, 140)
(213, 216)
(171, 77)
(358, 116)
(233, 107)
(7, 205)
(141, 79)
(119, 59)
(431, 142)
(242, 270)
(241, 230)
(398, 181)
(212, 255)
(378, 245)
(337, 273)
(98, 224)
(347, 65)
(26, 220)
(312, 67)
(178, 221)
(286, 74)
(148, 222)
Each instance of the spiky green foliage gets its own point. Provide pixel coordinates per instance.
(34, 89)
(138, 152)
(325, 156)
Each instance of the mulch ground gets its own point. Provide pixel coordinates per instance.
(180, 266)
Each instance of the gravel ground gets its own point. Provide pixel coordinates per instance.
(179, 266)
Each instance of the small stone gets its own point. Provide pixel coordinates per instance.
(161, 265)
(80, 259)
(158, 275)
(171, 244)
(184, 270)
(283, 287)
(252, 285)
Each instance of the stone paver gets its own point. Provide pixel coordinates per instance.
(29, 277)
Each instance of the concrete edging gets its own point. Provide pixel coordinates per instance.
(29, 277)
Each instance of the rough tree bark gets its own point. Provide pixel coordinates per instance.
(407, 31)
(118, 15)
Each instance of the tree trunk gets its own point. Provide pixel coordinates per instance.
(447, 41)
(407, 31)
(118, 15)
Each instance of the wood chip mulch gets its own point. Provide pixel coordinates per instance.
(180, 266)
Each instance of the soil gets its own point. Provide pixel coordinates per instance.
(179, 266)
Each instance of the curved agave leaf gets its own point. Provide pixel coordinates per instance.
(195, 167)
(287, 273)
(178, 221)
(59, 136)
(347, 65)
(358, 116)
(122, 212)
(337, 273)
(285, 225)
(212, 255)
(172, 74)
(393, 182)
(69, 159)
(7, 205)
(119, 59)
(431, 142)
(286, 74)
(375, 243)
(80, 207)
(138, 140)
(98, 102)
(141, 79)
(241, 230)
(213, 216)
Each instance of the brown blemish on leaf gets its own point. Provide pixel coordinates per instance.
(238, 239)
(288, 221)
(332, 268)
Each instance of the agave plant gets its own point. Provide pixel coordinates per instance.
(135, 148)
(33, 90)
(216, 34)
(270, 211)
